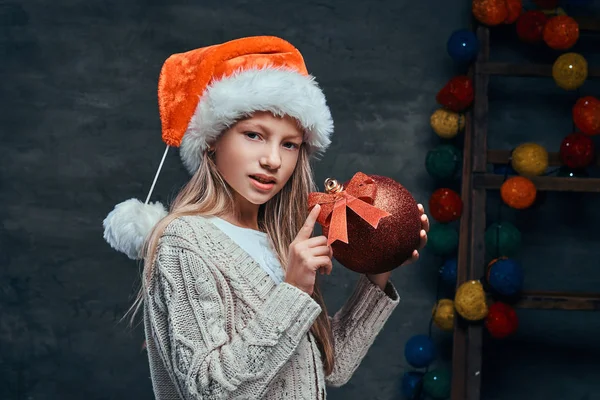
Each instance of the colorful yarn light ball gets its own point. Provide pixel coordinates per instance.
(419, 351)
(411, 382)
(457, 94)
(470, 301)
(586, 115)
(437, 383)
(570, 70)
(501, 321)
(443, 315)
(445, 205)
(490, 12)
(577, 151)
(514, 8)
(448, 272)
(518, 192)
(446, 124)
(561, 32)
(502, 239)
(530, 26)
(505, 276)
(443, 161)
(442, 240)
(530, 159)
(463, 46)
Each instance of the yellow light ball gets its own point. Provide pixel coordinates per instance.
(530, 159)
(570, 70)
(443, 314)
(470, 301)
(446, 124)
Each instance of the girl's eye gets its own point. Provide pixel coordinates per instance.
(252, 135)
(291, 145)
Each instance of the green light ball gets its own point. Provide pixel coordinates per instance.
(502, 239)
(442, 239)
(443, 161)
(437, 383)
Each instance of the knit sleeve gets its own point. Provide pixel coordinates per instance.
(204, 356)
(356, 325)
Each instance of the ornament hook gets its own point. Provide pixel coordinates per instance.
(332, 186)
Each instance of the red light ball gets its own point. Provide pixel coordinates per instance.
(514, 8)
(561, 32)
(445, 205)
(586, 115)
(501, 321)
(457, 94)
(577, 151)
(530, 26)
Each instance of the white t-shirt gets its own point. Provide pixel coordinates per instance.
(256, 244)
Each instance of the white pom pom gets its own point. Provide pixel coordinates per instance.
(127, 226)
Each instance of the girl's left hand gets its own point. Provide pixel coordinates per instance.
(381, 279)
(424, 230)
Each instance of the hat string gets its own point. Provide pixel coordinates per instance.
(157, 173)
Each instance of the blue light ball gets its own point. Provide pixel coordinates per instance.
(463, 46)
(506, 277)
(448, 272)
(410, 383)
(419, 351)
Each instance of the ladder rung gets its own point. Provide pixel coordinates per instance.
(559, 301)
(542, 183)
(524, 69)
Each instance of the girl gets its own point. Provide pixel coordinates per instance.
(231, 306)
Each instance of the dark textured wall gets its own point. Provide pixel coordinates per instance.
(80, 133)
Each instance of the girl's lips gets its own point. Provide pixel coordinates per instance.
(262, 186)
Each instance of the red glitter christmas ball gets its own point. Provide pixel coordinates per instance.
(501, 321)
(382, 249)
(561, 32)
(445, 205)
(530, 26)
(457, 94)
(577, 151)
(586, 115)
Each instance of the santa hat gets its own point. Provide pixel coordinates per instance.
(203, 92)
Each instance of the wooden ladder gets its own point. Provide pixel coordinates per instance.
(467, 341)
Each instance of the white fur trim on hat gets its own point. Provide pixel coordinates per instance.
(128, 225)
(280, 91)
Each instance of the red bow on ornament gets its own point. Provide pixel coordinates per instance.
(358, 196)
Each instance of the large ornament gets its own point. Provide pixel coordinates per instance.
(470, 301)
(443, 161)
(463, 46)
(457, 95)
(443, 315)
(530, 26)
(505, 276)
(419, 351)
(530, 159)
(501, 321)
(437, 383)
(518, 192)
(586, 115)
(561, 32)
(445, 205)
(502, 239)
(380, 233)
(570, 70)
(442, 239)
(446, 124)
(490, 12)
(577, 151)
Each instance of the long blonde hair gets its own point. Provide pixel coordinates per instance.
(281, 218)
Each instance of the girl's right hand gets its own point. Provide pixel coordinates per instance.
(307, 255)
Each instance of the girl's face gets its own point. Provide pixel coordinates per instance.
(258, 155)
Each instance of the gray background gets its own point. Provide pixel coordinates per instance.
(80, 133)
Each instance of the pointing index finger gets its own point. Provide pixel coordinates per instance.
(307, 229)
